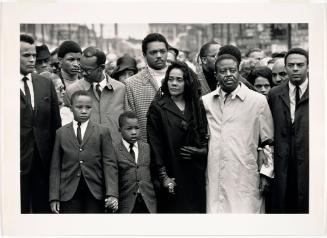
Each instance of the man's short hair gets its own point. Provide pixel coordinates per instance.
(68, 46)
(253, 50)
(205, 47)
(231, 50)
(127, 114)
(26, 38)
(94, 51)
(226, 56)
(299, 51)
(151, 38)
(79, 93)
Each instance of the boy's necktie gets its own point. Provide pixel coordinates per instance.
(131, 151)
(79, 133)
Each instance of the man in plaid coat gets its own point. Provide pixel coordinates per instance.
(142, 87)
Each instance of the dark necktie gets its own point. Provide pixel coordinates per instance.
(79, 133)
(27, 91)
(131, 151)
(97, 89)
(297, 96)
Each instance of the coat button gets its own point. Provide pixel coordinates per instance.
(78, 174)
(81, 161)
(80, 149)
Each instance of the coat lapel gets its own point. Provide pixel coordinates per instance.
(71, 133)
(88, 132)
(125, 153)
(169, 105)
(305, 96)
(147, 77)
(23, 97)
(142, 155)
(284, 95)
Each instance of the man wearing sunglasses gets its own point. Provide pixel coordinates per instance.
(279, 74)
(107, 94)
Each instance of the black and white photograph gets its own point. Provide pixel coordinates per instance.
(204, 120)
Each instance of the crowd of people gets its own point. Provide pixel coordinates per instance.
(101, 133)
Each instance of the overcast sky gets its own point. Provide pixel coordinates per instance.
(138, 31)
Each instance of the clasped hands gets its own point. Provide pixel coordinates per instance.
(264, 185)
(112, 203)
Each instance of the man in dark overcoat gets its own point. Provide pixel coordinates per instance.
(289, 104)
(39, 120)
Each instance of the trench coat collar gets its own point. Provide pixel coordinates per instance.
(168, 104)
(239, 92)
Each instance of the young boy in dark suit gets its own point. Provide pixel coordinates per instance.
(136, 192)
(80, 176)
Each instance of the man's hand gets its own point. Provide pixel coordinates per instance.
(170, 184)
(189, 152)
(262, 159)
(112, 203)
(264, 185)
(55, 206)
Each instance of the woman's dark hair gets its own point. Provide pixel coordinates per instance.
(263, 71)
(192, 95)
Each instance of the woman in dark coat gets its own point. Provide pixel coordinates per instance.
(177, 134)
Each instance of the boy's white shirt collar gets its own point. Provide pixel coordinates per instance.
(135, 148)
(126, 144)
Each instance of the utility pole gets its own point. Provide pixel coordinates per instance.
(289, 36)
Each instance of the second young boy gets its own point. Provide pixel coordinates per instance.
(136, 192)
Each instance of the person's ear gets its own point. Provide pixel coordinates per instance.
(60, 61)
(102, 66)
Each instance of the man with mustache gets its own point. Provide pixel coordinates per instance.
(39, 120)
(238, 118)
(289, 104)
(142, 87)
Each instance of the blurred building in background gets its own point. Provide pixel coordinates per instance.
(269, 37)
(189, 37)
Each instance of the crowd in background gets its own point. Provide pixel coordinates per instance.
(221, 133)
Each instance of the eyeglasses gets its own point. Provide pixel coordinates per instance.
(281, 74)
(88, 71)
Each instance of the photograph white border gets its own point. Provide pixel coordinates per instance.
(14, 223)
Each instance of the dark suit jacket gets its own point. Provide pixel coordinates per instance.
(134, 176)
(39, 126)
(92, 160)
(279, 103)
